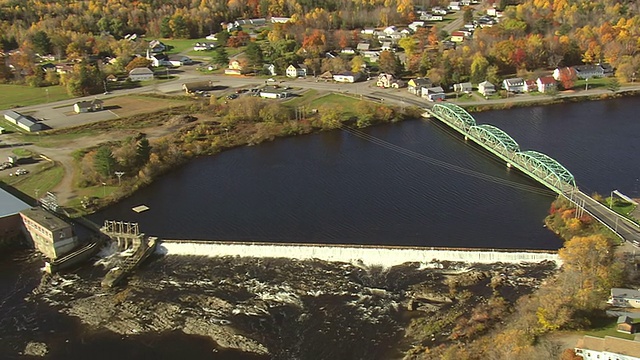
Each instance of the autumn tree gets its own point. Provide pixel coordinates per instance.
(84, 80)
(137, 62)
(567, 78)
(389, 63)
(479, 67)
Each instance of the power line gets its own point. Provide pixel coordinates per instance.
(444, 164)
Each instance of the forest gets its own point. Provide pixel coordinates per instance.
(531, 37)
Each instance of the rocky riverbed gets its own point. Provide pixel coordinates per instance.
(288, 309)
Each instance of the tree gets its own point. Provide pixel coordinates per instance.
(254, 55)
(479, 67)
(567, 77)
(356, 63)
(220, 56)
(137, 62)
(165, 27)
(104, 162)
(389, 63)
(468, 15)
(143, 151)
(41, 43)
(223, 37)
(613, 84)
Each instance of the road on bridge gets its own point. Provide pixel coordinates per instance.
(624, 227)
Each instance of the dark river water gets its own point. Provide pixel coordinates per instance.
(412, 183)
(422, 186)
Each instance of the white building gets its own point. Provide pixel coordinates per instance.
(515, 85)
(624, 298)
(141, 74)
(486, 88)
(297, 70)
(347, 77)
(607, 348)
(24, 122)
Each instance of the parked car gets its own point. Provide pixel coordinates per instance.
(232, 96)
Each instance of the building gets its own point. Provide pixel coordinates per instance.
(204, 46)
(280, 20)
(192, 87)
(465, 87)
(457, 36)
(363, 47)
(50, 235)
(297, 70)
(607, 348)
(515, 85)
(88, 106)
(24, 122)
(141, 74)
(546, 83)
(626, 325)
(346, 77)
(270, 69)
(11, 228)
(570, 73)
(156, 46)
(435, 93)
(235, 67)
(589, 71)
(486, 88)
(179, 60)
(624, 298)
(415, 86)
(530, 85)
(454, 6)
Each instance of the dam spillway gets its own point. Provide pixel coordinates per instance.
(386, 256)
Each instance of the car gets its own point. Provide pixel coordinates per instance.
(270, 79)
(232, 96)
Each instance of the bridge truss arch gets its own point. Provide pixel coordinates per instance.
(495, 138)
(455, 114)
(546, 168)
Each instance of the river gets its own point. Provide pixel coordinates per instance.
(422, 186)
(437, 190)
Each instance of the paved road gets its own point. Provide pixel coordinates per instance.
(625, 228)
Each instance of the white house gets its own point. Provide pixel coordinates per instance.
(465, 87)
(415, 86)
(348, 51)
(486, 88)
(203, 46)
(415, 25)
(141, 74)
(294, 71)
(367, 31)
(589, 71)
(156, 46)
(179, 60)
(624, 298)
(607, 348)
(280, 20)
(87, 106)
(545, 83)
(386, 46)
(457, 36)
(363, 47)
(270, 69)
(515, 85)
(435, 93)
(348, 77)
(274, 94)
(389, 30)
(454, 6)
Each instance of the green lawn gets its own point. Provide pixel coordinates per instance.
(45, 178)
(347, 104)
(607, 327)
(22, 95)
(181, 45)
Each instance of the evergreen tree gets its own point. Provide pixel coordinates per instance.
(41, 43)
(220, 56)
(254, 55)
(143, 151)
(105, 162)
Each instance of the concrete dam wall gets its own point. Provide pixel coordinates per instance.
(386, 256)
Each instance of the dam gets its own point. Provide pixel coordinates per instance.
(369, 255)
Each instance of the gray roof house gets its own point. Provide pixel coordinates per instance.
(513, 85)
(465, 87)
(486, 88)
(415, 86)
(624, 298)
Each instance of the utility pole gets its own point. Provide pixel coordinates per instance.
(119, 175)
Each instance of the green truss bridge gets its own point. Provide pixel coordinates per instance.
(540, 167)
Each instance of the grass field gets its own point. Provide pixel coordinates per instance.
(346, 103)
(22, 95)
(124, 106)
(181, 45)
(607, 327)
(48, 176)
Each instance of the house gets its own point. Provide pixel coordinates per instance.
(347, 77)
(624, 298)
(179, 60)
(367, 31)
(64, 68)
(88, 106)
(589, 71)
(384, 80)
(11, 228)
(434, 93)
(415, 85)
(486, 88)
(235, 67)
(348, 51)
(280, 20)
(326, 76)
(454, 6)
(545, 83)
(25, 122)
(457, 36)
(50, 235)
(558, 73)
(158, 59)
(515, 85)
(363, 47)
(463, 87)
(192, 87)
(607, 348)
(111, 78)
(626, 325)
(371, 55)
(438, 10)
(48, 67)
(141, 74)
(270, 69)
(415, 25)
(156, 46)
(389, 30)
(203, 46)
(386, 46)
(296, 70)
(212, 37)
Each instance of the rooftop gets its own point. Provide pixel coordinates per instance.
(45, 218)
(10, 205)
(610, 344)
